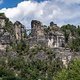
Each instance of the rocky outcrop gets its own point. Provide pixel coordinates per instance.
(37, 31)
(53, 27)
(19, 30)
(5, 37)
(52, 38)
(9, 32)
(2, 21)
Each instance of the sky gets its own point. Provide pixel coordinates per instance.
(61, 12)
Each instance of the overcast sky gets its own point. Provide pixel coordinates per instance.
(59, 11)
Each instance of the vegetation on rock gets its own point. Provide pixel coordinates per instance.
(21, 61)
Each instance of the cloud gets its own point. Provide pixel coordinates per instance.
(71, 1)
(1, 1)
(46, 11)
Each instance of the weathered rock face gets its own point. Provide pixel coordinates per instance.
(53, 38)
(10, 32)
(19, 30)
(4, 35)
(5, 38)
(37, 31)
(2, 21)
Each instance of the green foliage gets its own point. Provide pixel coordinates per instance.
(25, 34)
(46, 29)
(74, 70)
(2, 14)
(66, 34)
(20, 47)
(72, 73)
(9, 26)
(78, 31)
(75, 44)
(68, 29)
(32, 70)
(62, 75)
(72, 36)
(22, 67)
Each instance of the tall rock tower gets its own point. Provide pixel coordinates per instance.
(37, 30)
(5, 37)
(2, 20)
(19, 30)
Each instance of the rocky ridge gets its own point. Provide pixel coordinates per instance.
(14, 39)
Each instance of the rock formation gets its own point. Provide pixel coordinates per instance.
(10, 32)
(5, 37)
(37, 31)
(53, 38)
(19, 30)
(2, 21)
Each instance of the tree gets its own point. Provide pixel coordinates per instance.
(62, 75)
(71, 73)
